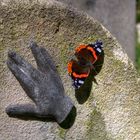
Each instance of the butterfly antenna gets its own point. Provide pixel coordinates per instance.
(99, 65)
(93, 68)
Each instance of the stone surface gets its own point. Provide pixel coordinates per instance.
(117, 16)
(112, 111)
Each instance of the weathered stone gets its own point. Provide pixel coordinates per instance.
(117, 16)
(113, 110)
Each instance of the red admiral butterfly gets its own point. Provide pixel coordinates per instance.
(87, 56)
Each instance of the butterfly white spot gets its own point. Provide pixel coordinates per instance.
(99, 50)
(81, 82)
(78, 86)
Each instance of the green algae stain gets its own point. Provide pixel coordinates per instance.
(62, 133)
(96, 127)
(91, 38)
(63, 55)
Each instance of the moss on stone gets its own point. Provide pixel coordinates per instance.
(96, 127)
(62, 133)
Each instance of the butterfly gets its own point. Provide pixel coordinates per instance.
(88, 57)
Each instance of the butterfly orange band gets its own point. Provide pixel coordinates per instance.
(84, 75)
(80, 75)
(78, 49)
(93, 52)
(70, 67)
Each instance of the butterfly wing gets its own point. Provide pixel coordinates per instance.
(77, 73)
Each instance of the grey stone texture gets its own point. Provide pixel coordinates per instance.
(112, 111)
(118, 16)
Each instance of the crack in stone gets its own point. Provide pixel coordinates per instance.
(58, 27)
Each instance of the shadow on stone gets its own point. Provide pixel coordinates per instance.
(82, 94)
(69, 120)
(97, 66)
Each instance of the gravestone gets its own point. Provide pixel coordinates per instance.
(117, 16)
(112, 111)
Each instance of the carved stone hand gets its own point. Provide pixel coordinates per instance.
(44, 87)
